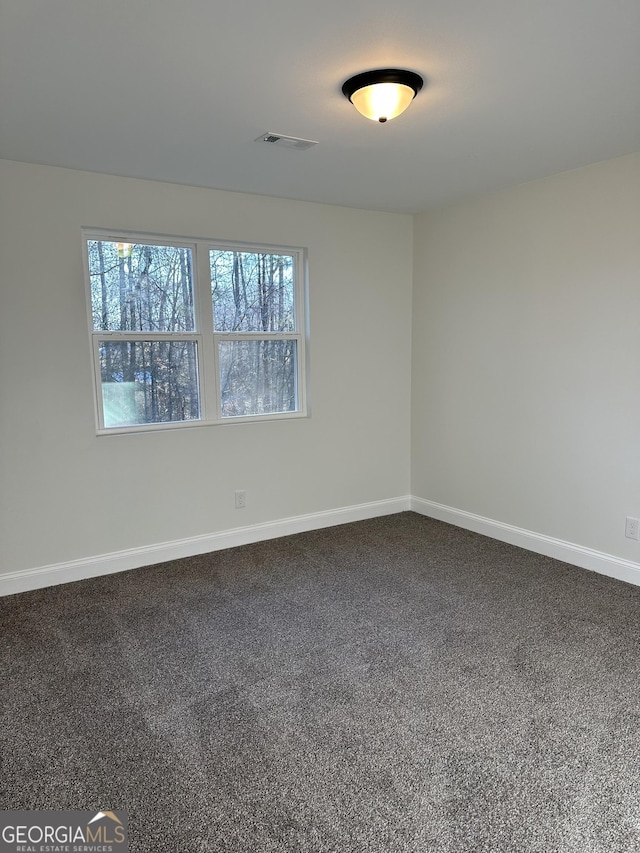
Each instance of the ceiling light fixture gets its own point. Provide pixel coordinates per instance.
(383, 94)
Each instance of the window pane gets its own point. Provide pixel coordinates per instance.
(257, 377)
(252, 292)
(137, 287)
(149, 382)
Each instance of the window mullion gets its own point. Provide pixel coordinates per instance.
(209, 374)
(302, 326)
(146, 336)
(256, 336)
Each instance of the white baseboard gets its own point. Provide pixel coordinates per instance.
(567, 552)
(133, 558)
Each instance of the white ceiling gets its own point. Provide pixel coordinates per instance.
(178, 91)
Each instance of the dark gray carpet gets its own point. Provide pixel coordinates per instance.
(391, 685)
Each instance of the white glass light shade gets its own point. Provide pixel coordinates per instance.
(382, 101)
(384, 93)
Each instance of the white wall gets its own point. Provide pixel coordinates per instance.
(526, 356)
(67, 494)
(525, 372)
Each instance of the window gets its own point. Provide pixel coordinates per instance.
(190, 332)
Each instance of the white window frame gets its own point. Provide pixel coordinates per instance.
(206, 338)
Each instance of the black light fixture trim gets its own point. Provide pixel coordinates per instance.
(382, 75)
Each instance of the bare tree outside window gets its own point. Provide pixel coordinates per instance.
(253, 296)
(144, 288)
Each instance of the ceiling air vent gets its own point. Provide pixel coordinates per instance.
(286, 141)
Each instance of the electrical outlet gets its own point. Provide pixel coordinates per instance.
(632, 528)
(241, 500)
